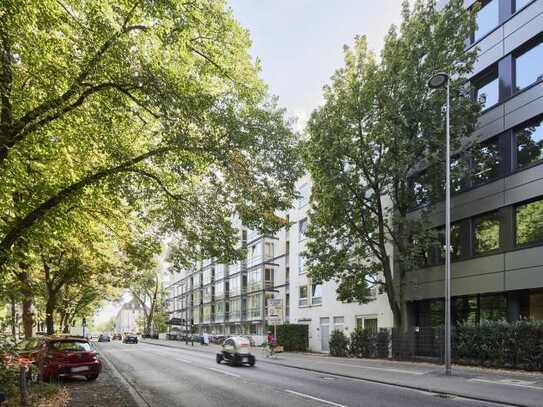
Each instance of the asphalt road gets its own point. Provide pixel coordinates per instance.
(177, 377)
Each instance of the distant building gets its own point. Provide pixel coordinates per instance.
(128, 317)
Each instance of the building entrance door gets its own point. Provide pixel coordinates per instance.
(325, 334)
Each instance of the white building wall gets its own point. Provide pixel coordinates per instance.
(329, 307)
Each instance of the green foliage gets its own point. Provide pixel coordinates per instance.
(293, 337)
(339, 344)
(380, 123)
(362, 343)
(517, 345)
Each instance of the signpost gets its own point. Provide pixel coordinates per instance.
(275, 313)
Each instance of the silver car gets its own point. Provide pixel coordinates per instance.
(236, 351)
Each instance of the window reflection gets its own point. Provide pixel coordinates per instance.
(487, 89)
(457, 244)
(528, 67)
(529, 222)
(487, 18)
(486, 233)
(529, 144)
(519, 4)
(486, 161)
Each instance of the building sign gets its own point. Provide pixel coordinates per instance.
(275, 311)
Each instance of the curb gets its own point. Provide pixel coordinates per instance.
(136, 396)
(383, 382)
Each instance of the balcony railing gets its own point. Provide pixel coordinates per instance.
(269, 285)
(254, 313)
(302, 302)
(234, 316)
(316, 300)
(254, 286)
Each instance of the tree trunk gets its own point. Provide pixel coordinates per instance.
(26, 291)
(50, 314)
(13, 319)
(28, 318)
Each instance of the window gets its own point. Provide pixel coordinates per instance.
(457, 244)
(302, 229)
(304, 196)
(338, 323)
(486, 161)
(493, 307)
(465, 310)
(529, 222)
(486, 88)
(268, 249)
(486, 233)
(269, 278)
(528, 68)
(487, 19)
(529, 140)
(316, 294)
(520, 4)
(301, 264)
(303, 296)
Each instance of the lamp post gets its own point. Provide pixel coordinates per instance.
(440, 80)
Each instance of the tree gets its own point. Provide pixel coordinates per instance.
(380, 124)
(155, 104)
(149, 292)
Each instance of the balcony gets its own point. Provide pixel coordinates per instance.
(254, 286)
(254, 313)
(269, 285)
(236, 267)
(316, 300)
(234, 316)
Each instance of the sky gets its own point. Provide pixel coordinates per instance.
(300, 45)
(300, 42)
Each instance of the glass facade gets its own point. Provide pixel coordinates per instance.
(486, 159)
(486, 233)
(529, 144)
(528, 67)
(487, 18)
(529, 222)
(487, 89)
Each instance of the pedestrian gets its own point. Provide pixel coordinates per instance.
(271, 344)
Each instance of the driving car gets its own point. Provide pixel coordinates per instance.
(104, 338)
(130, 338)
(117, 336)
(236, 351)
(68, 357)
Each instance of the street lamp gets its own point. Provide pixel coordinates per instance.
(440, 80)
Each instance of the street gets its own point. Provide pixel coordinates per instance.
(180, 377)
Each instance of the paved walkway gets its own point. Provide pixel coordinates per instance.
(505, 387)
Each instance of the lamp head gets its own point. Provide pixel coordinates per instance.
(438, 80)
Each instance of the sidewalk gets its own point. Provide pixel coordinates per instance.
(498, 386)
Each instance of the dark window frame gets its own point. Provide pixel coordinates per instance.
(518, 52)
(483, 78)
(514, 145)
(473, 222)
(533, 243)
(484, 3)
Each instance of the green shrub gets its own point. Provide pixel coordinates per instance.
(516, 345)
(382, 345)
(339, 344)
(363, 343)
(293, 337)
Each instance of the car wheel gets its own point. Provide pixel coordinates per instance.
(218, 358)
(252, 361)
(92, 378)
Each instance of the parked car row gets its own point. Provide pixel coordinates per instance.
(62, 356)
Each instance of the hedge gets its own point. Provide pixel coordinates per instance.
(517, 345)
(339, 344)
(293, 337)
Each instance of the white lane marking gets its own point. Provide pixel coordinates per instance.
(385, 369)
(183, 360)
(223, 372)
(485, 403)
(307, 396)
(507, 382)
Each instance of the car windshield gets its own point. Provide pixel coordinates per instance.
(71, 346)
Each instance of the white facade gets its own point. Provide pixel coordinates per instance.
(320, 308)
(128, 317)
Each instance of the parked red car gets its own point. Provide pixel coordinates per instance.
(68, 357)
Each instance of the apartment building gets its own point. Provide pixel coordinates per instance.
(497, 204)
(315, 303)
(232, 299)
